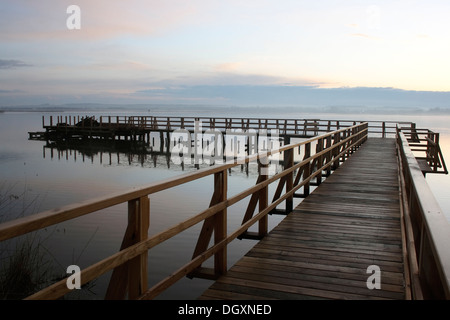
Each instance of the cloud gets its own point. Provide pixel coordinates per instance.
(364, 35)
(12, 64)
(46, 19)
(423, 36)
(228, 66)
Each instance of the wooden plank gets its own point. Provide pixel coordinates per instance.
(315, 269)
(323, 248)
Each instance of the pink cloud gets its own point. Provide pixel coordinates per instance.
(228, 66)
(364, 35)
(28, 20)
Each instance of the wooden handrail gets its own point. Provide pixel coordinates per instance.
(138, 197)
(285, 126)
(429, 229)
(427, 142)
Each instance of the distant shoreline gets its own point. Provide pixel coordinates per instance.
(158, 109)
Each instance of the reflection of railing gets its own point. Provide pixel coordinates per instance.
(427, 230)
(105, 150)
(129, 265)
(425, 144)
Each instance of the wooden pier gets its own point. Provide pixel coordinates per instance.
(139, 127)
(322, 250)
(156, 135)
(371, 220)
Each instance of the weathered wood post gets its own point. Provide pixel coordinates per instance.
(328, 155)
(131, 277)
(336, 150)
(288, 158)
(319, 148)
(220, 227)
(139, 211)
(218, 224)
(307, 170)
(263, 198)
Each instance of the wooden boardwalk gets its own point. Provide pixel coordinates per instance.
(323, 248)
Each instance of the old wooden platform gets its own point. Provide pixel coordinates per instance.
(322, 250)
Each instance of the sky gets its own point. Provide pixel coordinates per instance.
(225, 52)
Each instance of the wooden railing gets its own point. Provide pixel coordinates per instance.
(130, 274)
(294, 127)
(424, 143)
(427, 229)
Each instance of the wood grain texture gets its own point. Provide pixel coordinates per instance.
(323, 248)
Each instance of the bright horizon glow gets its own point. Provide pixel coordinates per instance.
(124, 48)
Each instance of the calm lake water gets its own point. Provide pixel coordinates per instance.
(32, 180)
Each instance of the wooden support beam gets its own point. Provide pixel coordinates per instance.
(220, 228)
(133, 274)
(307, 169)
(216, 223)
(261, 197)
(288, 163)
(263, 201)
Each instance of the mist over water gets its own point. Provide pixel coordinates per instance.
(35, 180)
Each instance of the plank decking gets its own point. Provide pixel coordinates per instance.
(322, 250)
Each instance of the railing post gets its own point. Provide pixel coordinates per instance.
(319, 148)
(288, 156)
(328, 155)
(346, 145)
(435, 152)
(220, 226)
(307, 170)
(336, 150)
(132, 276)
(263, 200)
(137, 275)
(353, 140)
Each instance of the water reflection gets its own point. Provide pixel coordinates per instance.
(161, 151)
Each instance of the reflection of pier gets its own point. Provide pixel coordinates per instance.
(110, 151)
(158, 149)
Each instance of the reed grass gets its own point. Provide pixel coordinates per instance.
(26, 265)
